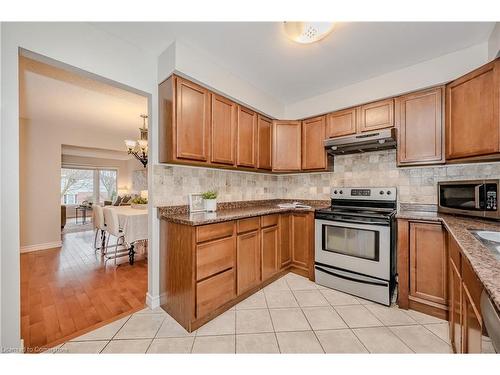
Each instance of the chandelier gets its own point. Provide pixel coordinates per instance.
(139, 148)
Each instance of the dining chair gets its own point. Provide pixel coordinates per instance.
(113, 229)
(99, 226)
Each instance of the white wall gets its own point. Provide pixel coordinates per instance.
(428, 73)
(83, 46)
(494, 43)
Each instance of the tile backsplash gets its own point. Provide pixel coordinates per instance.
(172, 184)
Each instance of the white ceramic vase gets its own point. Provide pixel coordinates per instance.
(210, 205)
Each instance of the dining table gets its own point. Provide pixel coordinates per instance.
(134, 224)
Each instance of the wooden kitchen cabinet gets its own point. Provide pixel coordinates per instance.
(472, 113)
(420, 123)
(246, 138)
(341, 123)
(248, 261)
(269, 246)
(302, 243)
(192, 125)
(376, 115)
(285, 254)
(287, 146)
(223, 130)
(264, 143)
(313, 150)
(455, 296)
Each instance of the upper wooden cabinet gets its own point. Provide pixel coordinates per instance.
(264, 141)
(246, 138)
(313, 136)
(419, 120)
(192, 125)
(472, 113)
(223, 130)
(341, 123)
(286, 145)
(376, 115)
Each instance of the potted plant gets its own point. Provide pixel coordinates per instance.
(139, 202)
(210, 199)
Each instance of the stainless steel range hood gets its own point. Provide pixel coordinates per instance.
(356, 143)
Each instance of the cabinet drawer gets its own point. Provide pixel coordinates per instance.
(214, 231)
(472, 283)
(214, 292)
(214, 256)
(269, 220)
(247, 225)
(454, 250)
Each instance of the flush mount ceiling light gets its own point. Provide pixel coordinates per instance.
(307, 32)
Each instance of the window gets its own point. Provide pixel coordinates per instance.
(84, 184)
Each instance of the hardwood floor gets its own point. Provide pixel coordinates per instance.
(68, 291)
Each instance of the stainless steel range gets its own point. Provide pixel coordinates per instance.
(355, 243)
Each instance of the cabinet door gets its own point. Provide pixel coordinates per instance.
(419, 119)
(341, 123)
(300, 241)
(285, 257)
(264, 152)
(248, 261)
(472, 113)
(269, 247)
(192, 125)
(472, 324)
(246, 138)
(377, 115)
(223, 130)
(286, 145)
(455, 312)
(313, 151)
(428, 264)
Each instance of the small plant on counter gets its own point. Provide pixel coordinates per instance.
(139, 200)
(210, 199)
(211, 194)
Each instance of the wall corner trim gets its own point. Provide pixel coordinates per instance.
(41, 246)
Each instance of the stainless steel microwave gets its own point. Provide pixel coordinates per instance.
(473, 198)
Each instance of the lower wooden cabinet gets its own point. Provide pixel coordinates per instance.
(248, 261)
(455, 296)
(269, 248)
(302, 243)
(285, 253)
(214, 292)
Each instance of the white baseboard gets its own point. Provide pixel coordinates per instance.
(42, 246)
(152, 301)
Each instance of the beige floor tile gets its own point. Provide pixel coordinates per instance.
(277, 285)
(279, 299)
(289, 320)
(224, 324)
(88, 347)
(358, 316)
(391, 316)
(103, 333)
(214, 344)
(172, 345)
(253, 321)
(170, 328)
(296, 282)
(421, 340)
(127, 346)
(255, 301)
(323, 318)
(257, 343)
(307, 298)
(423, 318)
(336, 298)
(298, 342)
(441, 330)
(340, 341)
(141, 326)
(381, 340)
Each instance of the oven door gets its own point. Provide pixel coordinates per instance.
(357, 247)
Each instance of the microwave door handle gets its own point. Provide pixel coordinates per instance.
(477, 196)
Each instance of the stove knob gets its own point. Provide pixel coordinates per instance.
(388, 192)
(335, 192)
(381, 192)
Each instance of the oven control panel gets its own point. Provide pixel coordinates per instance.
(378, 193)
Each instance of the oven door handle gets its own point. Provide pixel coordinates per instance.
(351, 278)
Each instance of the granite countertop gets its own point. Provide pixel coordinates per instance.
(233, 211)
(483, 261)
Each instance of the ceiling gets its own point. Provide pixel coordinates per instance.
(67, 99)
(259, 53)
